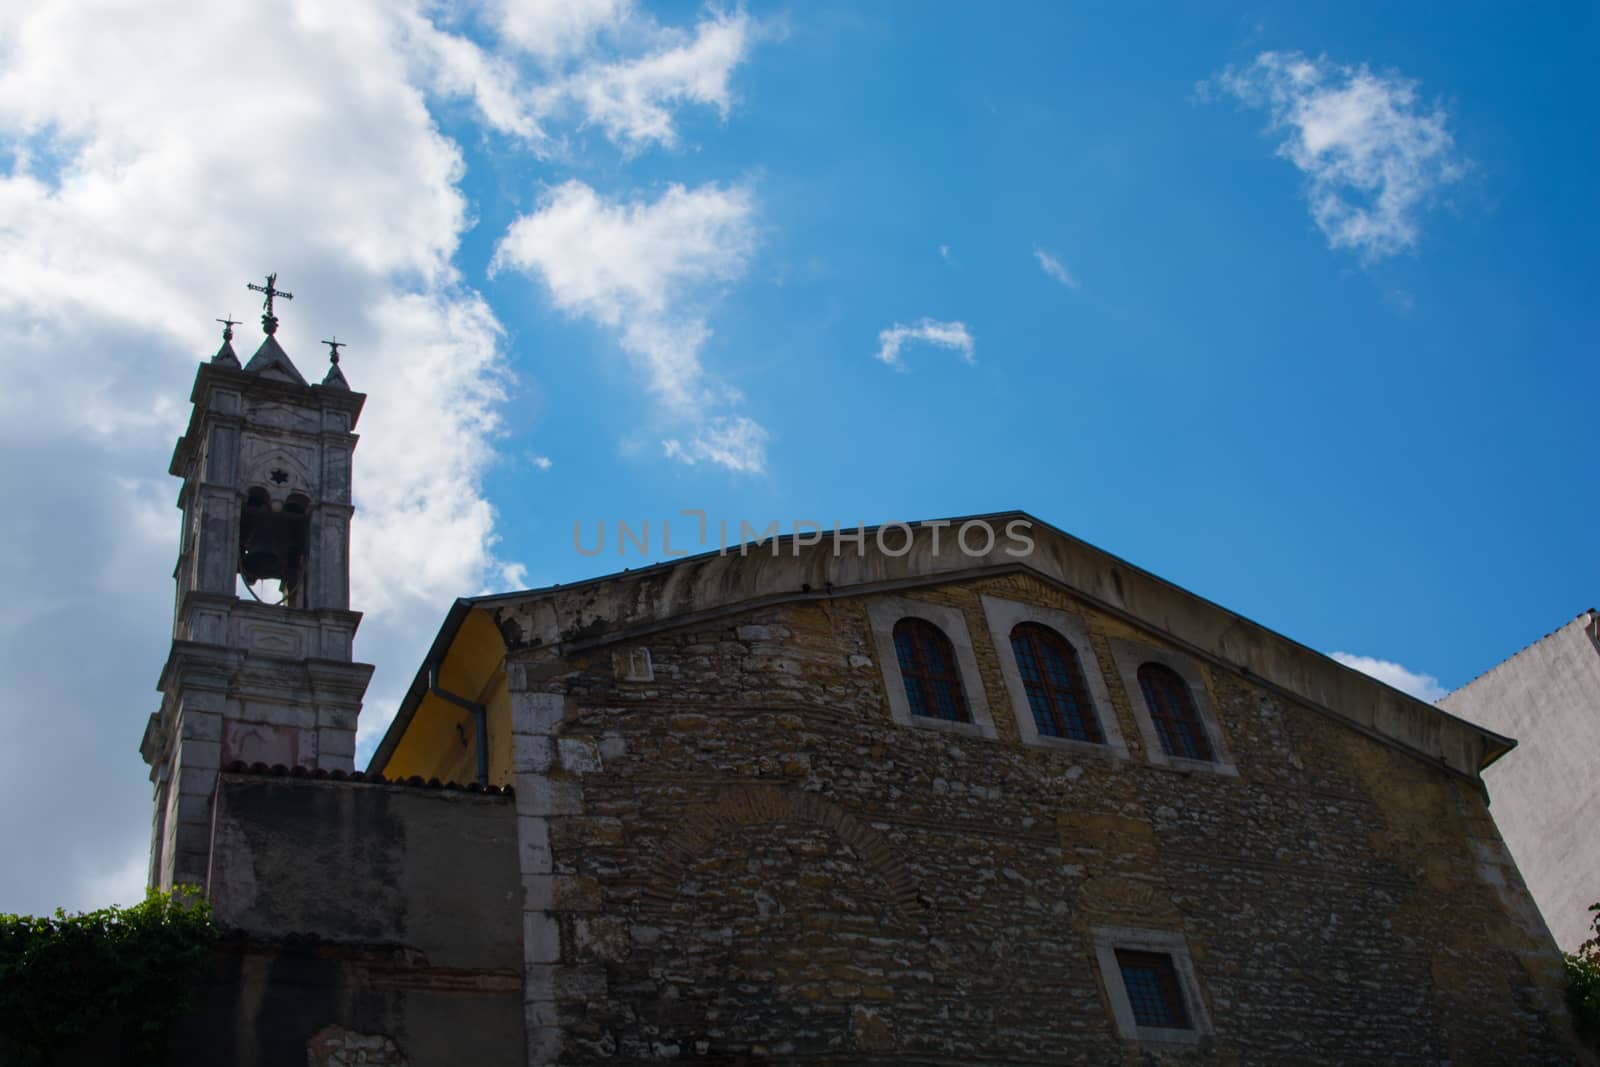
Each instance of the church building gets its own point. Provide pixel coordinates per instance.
(952, 792)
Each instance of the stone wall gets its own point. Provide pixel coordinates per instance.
(370, 923)
(741, 857)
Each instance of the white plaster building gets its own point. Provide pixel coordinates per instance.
(1546, 791)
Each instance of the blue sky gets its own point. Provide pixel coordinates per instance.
(1293, 307)
(1364, 452)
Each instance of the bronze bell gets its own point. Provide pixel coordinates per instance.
(272, 544)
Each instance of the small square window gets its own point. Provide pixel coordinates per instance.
(1152, 986)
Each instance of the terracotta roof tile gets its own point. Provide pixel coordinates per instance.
(278, 770)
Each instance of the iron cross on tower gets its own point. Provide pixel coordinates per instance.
(269, 321)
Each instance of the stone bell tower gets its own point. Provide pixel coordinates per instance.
(261, 665)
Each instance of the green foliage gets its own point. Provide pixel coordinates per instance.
(1583, 981)
(130, 969)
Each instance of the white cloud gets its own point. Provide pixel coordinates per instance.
(456, 66)
(619, 262)
(124, 885)
(633, 100)
(735, 442)
(425, 530)
(944, 253)
(598, 62)
(1422, 686)
(645, 270)
(543, 463)
(1373, 155)
(554, 29)
(1054, 268)
(953, 335)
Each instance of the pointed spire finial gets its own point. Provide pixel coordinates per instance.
(225, 355)
(335, 376)
(269, 321)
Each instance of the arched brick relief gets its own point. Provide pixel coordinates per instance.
(1112, 894)
(738, 806)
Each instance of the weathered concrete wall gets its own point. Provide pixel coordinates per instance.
(1546, 792)
(324, 1005)
(368, 918)
(749, 860)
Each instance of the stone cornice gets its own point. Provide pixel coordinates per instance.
(318, 397)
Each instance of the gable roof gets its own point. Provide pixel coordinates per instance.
(621, 607)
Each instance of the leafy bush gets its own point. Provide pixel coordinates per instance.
(1583, 981)
(131, 969)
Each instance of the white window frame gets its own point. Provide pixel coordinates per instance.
(1107, 940)
(1002, 617)
(633, 665)
(1129, 657)
(882, 614)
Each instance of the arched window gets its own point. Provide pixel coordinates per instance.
(1053, 678)
(928, 666)
(1172, 709)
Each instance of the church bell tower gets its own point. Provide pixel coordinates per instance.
(261, 666)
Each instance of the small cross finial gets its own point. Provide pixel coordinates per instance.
(269, 321)
(227, 328)
(333, 349)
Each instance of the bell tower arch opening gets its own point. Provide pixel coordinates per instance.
(273, 538)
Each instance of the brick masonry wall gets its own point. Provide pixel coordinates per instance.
(748, 860)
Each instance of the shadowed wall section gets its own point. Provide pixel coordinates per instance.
(370, 922)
